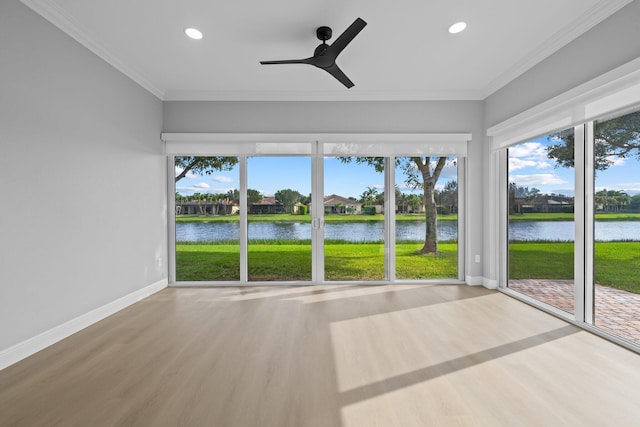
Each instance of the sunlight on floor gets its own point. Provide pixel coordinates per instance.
(387, 367)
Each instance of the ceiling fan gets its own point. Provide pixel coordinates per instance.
(325, 55)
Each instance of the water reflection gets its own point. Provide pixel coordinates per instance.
(564, 230)
(408, 230)
(351, 231)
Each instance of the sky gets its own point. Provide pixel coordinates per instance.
(530, 167)
(270, 174)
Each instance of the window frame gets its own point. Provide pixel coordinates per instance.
(315, 146)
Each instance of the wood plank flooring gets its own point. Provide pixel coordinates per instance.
(397, 355)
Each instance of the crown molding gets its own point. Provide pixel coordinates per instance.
(614, 91)
(53, 13)
(579, 26)
(56, 15)
(303, 95)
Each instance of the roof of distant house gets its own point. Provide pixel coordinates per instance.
(334, 198)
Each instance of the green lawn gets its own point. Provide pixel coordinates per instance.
(617, 264)
(292, 261)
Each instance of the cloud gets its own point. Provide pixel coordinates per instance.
(569, 192)
(448, 173)
(537, 179)
(187, 190)
(408, 189)
(221, 178)
(528, 149)
(529, 155)
(189, 175)
(517, 163)
(631, 188)
(198, 188)
(616, 161)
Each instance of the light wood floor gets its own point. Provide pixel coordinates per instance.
(336, 356)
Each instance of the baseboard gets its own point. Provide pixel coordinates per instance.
(32, 345)
(481, 281)
(473, 280)
(489, 283)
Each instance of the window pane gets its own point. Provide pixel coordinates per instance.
(279, 223)
(207, 219)
(541, 220)
(420, 254)
(353, 218)
(617, 226)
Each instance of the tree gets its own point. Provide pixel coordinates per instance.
(203, 165)
(423, 173)
(288, 198)
(413, 201)
(618, 137)
(253, 197)
(221, 203)
(612, 200)
(199, 198)
(426, 177)
(408, 203)
(369, 195)
(180, 199)
(234, 196)
(448, 197)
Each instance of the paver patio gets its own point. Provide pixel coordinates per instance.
(616, 311)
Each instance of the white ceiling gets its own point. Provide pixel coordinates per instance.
(405, 52)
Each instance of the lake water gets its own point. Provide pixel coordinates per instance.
(352, 231)
(564, 230)
(405, 230)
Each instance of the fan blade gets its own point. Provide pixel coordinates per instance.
(345, 38)
(336, 72)
(288, 61)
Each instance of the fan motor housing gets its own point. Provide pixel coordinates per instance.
(324, 33)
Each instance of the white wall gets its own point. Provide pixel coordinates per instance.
(348, 117)
(83, 211)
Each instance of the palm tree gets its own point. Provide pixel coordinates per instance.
(369, 195)
(199, 198)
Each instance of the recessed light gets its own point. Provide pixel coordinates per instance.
(193, 33)
(457, 27)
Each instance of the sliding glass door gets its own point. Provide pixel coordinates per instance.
(354, 220)
(299, 211)
(426, 220)
(573, 200)
(279, 223)
(541, 219)
(207, 212)
(615, 288)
